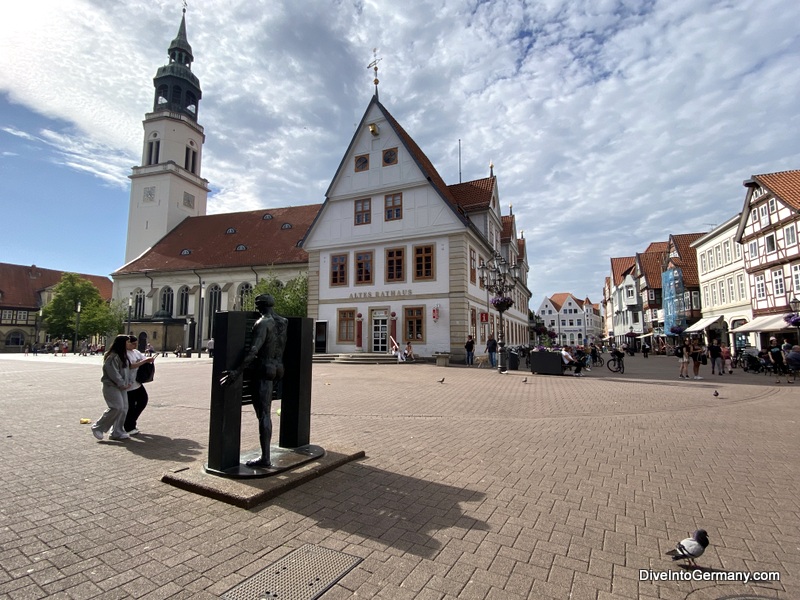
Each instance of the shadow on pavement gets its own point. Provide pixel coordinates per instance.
(159, 447)
(397, 510)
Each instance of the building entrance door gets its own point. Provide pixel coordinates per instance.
(380, 331)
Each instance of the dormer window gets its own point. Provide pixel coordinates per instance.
(185, 252)
(267, 217)
(230, 230)
(286, 226)
(241, 247)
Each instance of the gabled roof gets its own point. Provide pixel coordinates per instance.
(508, 222)
(560, 299)
(522, 250)
(784, 185)
(474, 195)
(21, 284)
(687, 257)
(620, 267)
(269, 236)
(650, 265)
(658, 247)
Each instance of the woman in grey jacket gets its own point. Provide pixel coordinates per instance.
(116, 381)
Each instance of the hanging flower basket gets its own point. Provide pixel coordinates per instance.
(502, 303)
(792, 319)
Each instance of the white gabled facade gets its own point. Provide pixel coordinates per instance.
(724, 287)
(393, 253)
(574, 321)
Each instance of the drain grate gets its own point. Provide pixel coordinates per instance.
(304, 574)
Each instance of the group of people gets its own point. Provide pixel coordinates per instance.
(125, 397)
(490, 350)
(781, 360)
(407, 355)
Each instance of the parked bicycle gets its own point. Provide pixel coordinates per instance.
(616, 364)
(597, 361)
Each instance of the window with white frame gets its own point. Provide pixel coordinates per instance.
(710, 255)
(742, 287)
(629, 292)
(722, 292)
(761, 287)
(718, 252)
(763, 211)
(737, 250)
(796, 279)
(752, 249)
(773, 206)
(651, 294)
(789, 235)
(713, 294)
(731, 290)
(777, 282)
(703, 263)
(727, 248)
(706, 297)
(769, 242)
(696, 300)
(753, 215)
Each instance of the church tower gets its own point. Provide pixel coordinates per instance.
(167, 186)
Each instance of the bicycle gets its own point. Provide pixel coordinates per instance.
(616, 364)
(598, 361)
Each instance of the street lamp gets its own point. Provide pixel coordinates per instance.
(795, 304)
(130, 310)
(77, 325)
(36, 335)
(499, 279)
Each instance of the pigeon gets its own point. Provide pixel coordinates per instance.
(525, 380)
(716, 393)
(441, 380)
(690, 548)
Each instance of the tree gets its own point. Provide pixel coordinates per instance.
(291, 298)
(60, 314)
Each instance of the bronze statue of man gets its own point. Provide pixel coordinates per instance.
(269, 341)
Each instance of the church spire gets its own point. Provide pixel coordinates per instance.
(177, 88)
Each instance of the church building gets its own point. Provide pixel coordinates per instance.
(393, 253)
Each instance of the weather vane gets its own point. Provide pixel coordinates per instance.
(184, 6)
(374, 65)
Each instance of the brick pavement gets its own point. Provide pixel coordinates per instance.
(481, 487)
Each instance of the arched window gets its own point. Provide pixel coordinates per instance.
(167, 300)
(245, 291)
(176, 95)
(161, 94)
(138, 304)
(191, 103)
(183, 301)
(213, 302)
(15, 339)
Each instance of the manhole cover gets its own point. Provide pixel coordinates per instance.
(304, 574)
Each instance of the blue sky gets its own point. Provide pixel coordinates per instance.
(611, 123)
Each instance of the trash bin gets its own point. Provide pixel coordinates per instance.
(513, 360)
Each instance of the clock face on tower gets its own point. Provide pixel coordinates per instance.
(149, 194)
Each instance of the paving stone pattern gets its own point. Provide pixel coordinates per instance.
(480, 487)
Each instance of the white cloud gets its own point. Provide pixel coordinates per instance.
(610, 123)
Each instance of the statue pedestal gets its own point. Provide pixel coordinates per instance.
(282, 460)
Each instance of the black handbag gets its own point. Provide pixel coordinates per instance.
(703, 359)
(145, 373)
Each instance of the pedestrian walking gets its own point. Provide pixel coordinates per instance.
(137, 395)
(470, 348)
(491, 350)
(116, 381)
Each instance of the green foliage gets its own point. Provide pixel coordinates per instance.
(291, 298)
(60, 316)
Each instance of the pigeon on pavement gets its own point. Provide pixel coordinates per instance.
(690, 548)
(716, 393)
(525, 380)
(441, 380)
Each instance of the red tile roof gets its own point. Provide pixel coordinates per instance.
(558, 300)
(687, 260)
(784, 184)
(650, 267)
(20, 284)
(658, 247)
(507, 221)
(474, 195)
(266, 241)
(620, 266)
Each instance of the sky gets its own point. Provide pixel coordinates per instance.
(610, 123)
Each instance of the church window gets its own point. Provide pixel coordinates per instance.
(138, 304)
(183, 301)
(191, 103)
(153, 150)
(163, 90)
(214, 300)
(245, 291)
(167, 299)
(176, 95)
(190, 160)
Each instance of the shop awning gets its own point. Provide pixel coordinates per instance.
(702, 324)
(765, 323)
